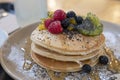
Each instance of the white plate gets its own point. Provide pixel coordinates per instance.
(3, 36)
(12, 55)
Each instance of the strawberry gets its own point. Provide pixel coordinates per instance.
(55, 27)
(47, 22)
(59, 15)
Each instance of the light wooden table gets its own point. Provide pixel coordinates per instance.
(3, 1)
(108, 10)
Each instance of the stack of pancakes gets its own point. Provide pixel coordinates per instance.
(66, 52)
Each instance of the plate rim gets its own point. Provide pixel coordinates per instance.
(5, 35)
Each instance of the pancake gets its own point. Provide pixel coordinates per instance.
(63, 44)
(62, 66)
(54, 55)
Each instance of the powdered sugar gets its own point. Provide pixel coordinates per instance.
(17, 57)
(110, 38)
(112, 41)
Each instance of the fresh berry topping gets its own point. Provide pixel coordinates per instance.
(55, 27)
(103, 60)
(70, 14)
(65, 23)
(86, 68)
(90, 25)
(79, 19)
(59, 15)
(88, 28)
(47, 22)
(73, 21)
(86, 25)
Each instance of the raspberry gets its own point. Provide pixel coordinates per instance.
(47, 22)
(55, 27)
(59, 15)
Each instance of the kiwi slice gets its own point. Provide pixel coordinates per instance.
(91, 26)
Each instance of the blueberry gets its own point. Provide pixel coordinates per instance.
(86, 68)
(79, 19)
(103, 60)
(71, 14)
(65, 23)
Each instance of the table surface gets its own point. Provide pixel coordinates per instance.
(108, 10)
(3, 1)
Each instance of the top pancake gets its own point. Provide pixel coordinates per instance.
(67, 45)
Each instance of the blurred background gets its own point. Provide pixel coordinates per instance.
(108, 10)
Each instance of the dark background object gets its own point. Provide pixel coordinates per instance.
(9, 7)
(4, 75)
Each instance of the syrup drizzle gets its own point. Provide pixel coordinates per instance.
(56, 75)
(85, 77)
(28, 62)
(114, 63)
(94, 75)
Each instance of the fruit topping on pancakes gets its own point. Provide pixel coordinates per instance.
(59, 21)
(55, 27)
(91, 26)
(59, 15)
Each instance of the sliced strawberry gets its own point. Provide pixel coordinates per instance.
(59, 15)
